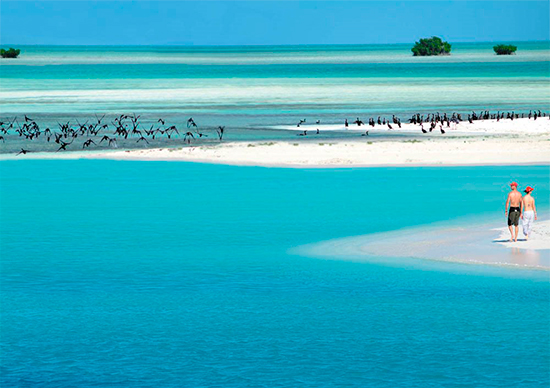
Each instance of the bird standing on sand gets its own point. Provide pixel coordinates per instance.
(220, 131)
(188, 137)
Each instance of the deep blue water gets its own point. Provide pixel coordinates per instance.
(148, 274)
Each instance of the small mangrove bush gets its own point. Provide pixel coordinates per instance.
(505, 49)
(10, 53)
(431, 46)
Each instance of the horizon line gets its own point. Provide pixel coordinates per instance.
(258, 45)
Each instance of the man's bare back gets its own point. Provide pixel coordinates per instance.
(515, 198)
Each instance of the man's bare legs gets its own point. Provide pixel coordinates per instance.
(513, 236)
(511, 229)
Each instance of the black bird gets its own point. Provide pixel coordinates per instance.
(2, 138)
(441, 129)
(27, 119)
(23, 151)
(220, 131)
(200, 133)
(142, 138)
(160, 121)
(87, 143)
(188, 137)
(301, 122)
(365, 134)
(191, 123)
(422, 128)
(104, 138)
(389, 126)
(63, 146)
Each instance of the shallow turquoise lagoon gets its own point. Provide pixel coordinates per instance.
(262, 86)
(148, 274)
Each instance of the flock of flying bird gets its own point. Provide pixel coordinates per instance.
(125, 127)
(128, 126)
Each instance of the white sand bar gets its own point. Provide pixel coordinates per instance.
(360, 153)
(490, 143)
(472, 242)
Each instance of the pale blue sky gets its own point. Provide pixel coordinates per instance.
(262, 22)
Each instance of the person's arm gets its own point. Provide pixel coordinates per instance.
(506, 206)
(534, 208)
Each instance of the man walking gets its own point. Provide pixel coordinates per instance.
(514, 204)
(529, 214)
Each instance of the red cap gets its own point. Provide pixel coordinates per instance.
(528, 189)
(513, 184)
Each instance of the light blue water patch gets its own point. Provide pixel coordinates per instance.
(387, 53)
(365, 70)
(273, 84)
(152, 274)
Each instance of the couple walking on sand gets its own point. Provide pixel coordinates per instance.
(520, 207)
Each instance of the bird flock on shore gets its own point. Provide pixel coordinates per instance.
(121, 127)
(433, 119)
(130, 127)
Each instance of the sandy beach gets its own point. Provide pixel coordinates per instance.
(471, 242)
(540, 238)
(511, 149)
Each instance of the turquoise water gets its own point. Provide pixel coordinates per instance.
(148, 274)
(261, 86)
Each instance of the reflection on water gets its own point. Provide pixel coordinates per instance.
(529, 257)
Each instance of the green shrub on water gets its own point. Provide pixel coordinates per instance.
(431, 46)
(505, 49)
(10, 53)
